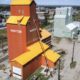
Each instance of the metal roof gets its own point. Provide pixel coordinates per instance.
(45, 34)
(15, 19)
(73, 25)
(21, 2)
(52, 56)
(34, 50)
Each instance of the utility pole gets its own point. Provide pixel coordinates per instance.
(73, 63)
(73, 51)
(59, 69)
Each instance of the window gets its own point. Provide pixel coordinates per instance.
(22, 12)
(19, 11)
(17, 70)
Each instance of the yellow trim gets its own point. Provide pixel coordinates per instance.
(15, 19)
(45, 34)
(21, 2)
(34, 51)
(52, 56)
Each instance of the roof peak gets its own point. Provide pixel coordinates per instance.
(21, 2)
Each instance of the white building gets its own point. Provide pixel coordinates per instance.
(63, 16)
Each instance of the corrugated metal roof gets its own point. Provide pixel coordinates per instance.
(15, 19)
(34, 50)
(21, 2)
(52, 56)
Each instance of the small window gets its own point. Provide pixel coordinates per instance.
(19, 11)
(22, 12)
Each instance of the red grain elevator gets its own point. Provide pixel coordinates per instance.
(21, 27)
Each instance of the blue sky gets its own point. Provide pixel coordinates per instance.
(58, 2)
(50, 2)
(4, 1)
